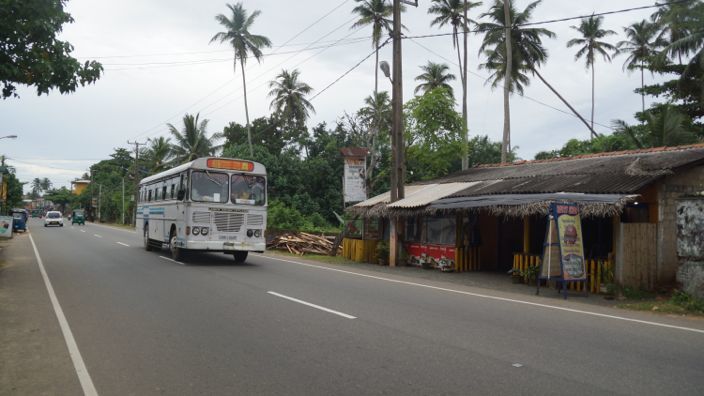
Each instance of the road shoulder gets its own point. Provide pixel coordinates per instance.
(34, 358)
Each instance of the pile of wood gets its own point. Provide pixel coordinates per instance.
(301, 243)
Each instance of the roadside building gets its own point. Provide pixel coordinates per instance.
(493, 217)
(77, 186)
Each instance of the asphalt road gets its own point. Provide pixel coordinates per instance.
(146, 325)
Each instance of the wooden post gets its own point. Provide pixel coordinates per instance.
(526, 234)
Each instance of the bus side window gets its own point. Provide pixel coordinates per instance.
(149, 198)
(173, 190)
(163, 193)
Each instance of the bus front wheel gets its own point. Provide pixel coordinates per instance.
(240, 257)
(176, 252)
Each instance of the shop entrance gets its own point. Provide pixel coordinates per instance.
(510, 241)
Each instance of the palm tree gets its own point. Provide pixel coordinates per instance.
(526, 55)
(377, 111)
(667, 127)
(454, 13)
(243, 43)
(46, 184)
(641, 46)
(691, 40)
(36, 186)
(289, 93)
(435, 75)
(673, 21)
(375, 13)
(591, 31)
(158, 154)
(193, 142)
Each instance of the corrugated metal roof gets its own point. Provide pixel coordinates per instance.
(385, 198)
(430, 193)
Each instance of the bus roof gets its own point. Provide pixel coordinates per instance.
(202, 163)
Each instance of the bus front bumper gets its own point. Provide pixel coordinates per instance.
(225, 246)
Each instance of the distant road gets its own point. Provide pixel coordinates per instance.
(144, 324)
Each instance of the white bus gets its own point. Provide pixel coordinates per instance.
(209, 204)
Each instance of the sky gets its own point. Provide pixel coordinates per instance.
(159, 65)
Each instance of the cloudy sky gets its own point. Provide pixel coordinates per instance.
(159, 65)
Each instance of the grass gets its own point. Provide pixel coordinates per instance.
(679, 303)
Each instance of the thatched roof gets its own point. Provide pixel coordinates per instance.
(528, 187)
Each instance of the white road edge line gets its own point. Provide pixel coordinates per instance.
(123, 244)
(579, 311)
(344, 315)
(172, 260)
(83, 230)
(78, 364)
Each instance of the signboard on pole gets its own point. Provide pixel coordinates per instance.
(6, 227)
(354, 178)
(563, 250)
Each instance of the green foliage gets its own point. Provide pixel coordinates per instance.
(31, 54)
(484, 151)
(687, 301)
(61, 197)
(433, 136)
(106, 187)
(14, 191)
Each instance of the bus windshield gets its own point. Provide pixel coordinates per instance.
(248, 190)
(209, 186)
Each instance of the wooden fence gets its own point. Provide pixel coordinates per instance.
(599, 271)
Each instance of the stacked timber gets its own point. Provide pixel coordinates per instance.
(300, 243)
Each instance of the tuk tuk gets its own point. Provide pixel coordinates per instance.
(78, 217)
(19, 220)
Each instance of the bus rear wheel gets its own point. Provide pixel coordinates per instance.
(147, 242)
(240, 257)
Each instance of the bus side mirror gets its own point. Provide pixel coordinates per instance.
(181, 195)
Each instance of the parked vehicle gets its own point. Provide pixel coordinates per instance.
(19, 222)
(53, 217)
(78, 217)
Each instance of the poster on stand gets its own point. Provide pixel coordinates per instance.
(6, 227)
(569, 231)
(354, 188)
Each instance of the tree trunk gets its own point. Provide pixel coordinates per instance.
(246, 110)
(592, 133)
(592, 123)
(506, 141)
(465, 129)
(642, 87)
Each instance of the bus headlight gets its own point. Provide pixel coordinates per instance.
(204, 231)
(257, 233)
(195, 230)
(250, 233)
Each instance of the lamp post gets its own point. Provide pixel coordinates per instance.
(9, 137)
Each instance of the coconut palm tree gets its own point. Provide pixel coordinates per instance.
(46, 184)
(289, 98)
(376, 13)
(691, 41)
(641, 46)
(592, 32)
(435, 75)
(454, 13)
(376, 111)
(674, 23)
(243, 43)
(158, 155)
(36, 186)
(192, 141)
(526, 55)
(667, 127)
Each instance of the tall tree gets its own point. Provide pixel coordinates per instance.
(243, 43)
(158, 154)
(435, 75)
(526, 55)
(31, 54)
(46, 184)
(641, 46)
(377, 114)
(590, 45)
(36, 187)
(289, 97)
(454, 13)
(690, 40)
(376, 13)
(192, 141)
(674, 23)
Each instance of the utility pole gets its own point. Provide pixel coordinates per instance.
(136, 180)
(123, 200)
(100, 199)
(397, 144)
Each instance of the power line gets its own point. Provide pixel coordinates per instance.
(485, 79)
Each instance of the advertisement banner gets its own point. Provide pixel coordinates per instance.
(569, 231)
(6, 226)
(354, 187)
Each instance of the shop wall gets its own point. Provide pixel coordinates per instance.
(670, 190)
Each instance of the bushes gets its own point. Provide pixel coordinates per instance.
(283, 217)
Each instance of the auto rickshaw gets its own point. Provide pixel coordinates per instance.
(19, 220)
(78, 217)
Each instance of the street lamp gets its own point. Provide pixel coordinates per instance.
(384, 66)
(9, 137)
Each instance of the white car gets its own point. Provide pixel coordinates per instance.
(54, 217)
